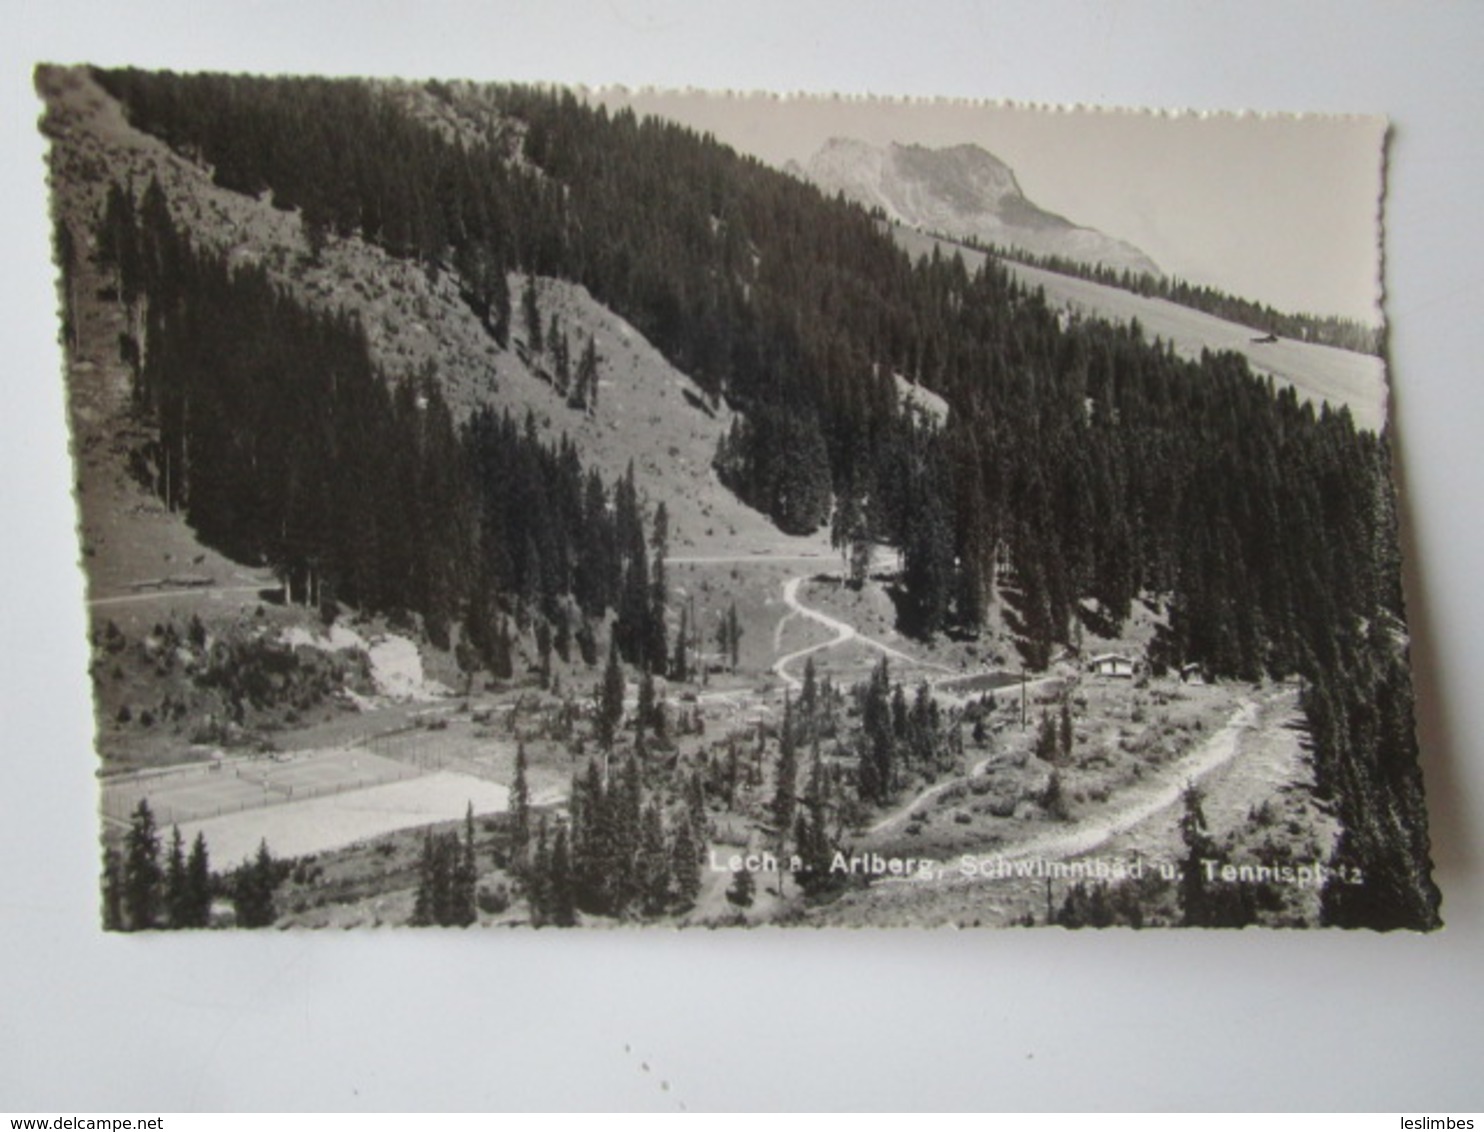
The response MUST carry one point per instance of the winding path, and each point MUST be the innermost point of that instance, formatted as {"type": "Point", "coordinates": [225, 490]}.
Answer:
{"type": "Point", "coordinates": [843, 631]}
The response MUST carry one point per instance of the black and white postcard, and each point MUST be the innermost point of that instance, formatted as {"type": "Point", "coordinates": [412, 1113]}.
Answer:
{"type": "Point", "coordinates": [523, 506]}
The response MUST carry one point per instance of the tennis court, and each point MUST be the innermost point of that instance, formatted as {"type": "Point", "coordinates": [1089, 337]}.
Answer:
{"type": "Point", "coordinates": [335, 820]}
{"type": "Point", "coordinates": [230, 785]}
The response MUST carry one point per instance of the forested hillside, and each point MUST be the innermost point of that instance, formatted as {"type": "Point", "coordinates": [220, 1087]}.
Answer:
{"type": "Point", "coordinates": [1081, 468]}
{"type": "Point", "coordinates": [284, 446]}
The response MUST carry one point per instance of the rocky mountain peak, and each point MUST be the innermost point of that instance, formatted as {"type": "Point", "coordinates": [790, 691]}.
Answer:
{"type": "Point", "coordinates": [960, 191]}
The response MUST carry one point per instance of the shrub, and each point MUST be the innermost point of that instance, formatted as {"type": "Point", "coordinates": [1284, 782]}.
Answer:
{"type": "Point", "coordinates": [493, 901]}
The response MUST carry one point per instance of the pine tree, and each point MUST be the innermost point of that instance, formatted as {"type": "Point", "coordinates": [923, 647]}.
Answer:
{"type": "Point", "coordinates": [253, 890]}
{"type": "Point", "coordinates": [198, 885]}
{"type": "Point", "coordinates": [423, 911]}
{"type": "Point", "coordinates": [447, 879]}
{"type": "Point", "coordinates": [729, 635]}
{"type": "Point", "coordinates": [785, 793]}
{"type": "Point", "coordinates": [560, 897]}
{"type": "Point", "coordinates": [1048, 742]}
{"type": "Point", "coordinates": [680, 663]}
{"type": "Point", "coordinates": [590, 362]}
{"type": "Point", "coordinates": [654, 858]}
{"type": "Point", "coordinates": [538, 878]}
{"type": "Point", "coordinates": [465, 909]}
{"type": "Point", "coordinates": [657, 649]}
{"type": "Point", "coordinates": [847, 527]}
{"type": "Point", "coordinates": [142, 875]}
{"type": "Point", "coordinates": [520, 811]}
{"type": "Point", "coordinates": [610, 699]}
{"type": "Point", "coordinates": [685, 865]}
{"type": "Point", "coordinates": [740, 891]}
{"type": "Point", "coordinates": [543, 652]}
{"type": "Point", "coordinates": [177, 895]}
{"type": "Point", "coordinates": [695, 798]}
{"type": "Point", "coordinates": [531, 309]}
{"type": "Point", "coordinates": [1196, 905]}
{"type": "Point", "coordinates": [626, 818]}
{"type": "Point", "coordinates": [1053, 798]}
{"type": "Point", "coordinates": [812, 841]}
{"type": "Point", "coordinates": [808, 711]}
{"type": "Point", "coordinates": [644, 711]}
{"type": "Point", "coordinates": [584, 392]}
{"type": "Point", "coordinates": [877, 770]}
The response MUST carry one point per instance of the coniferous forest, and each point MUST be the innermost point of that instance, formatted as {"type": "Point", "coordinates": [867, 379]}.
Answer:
{"type": "Point", "coordinates": [283, 445]}
{"type": "Point", "coordinates": [1082, 469]}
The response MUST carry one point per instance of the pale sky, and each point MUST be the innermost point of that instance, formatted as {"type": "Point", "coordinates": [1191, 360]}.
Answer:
{"type": "Point", "coordinates": [1284, 210]}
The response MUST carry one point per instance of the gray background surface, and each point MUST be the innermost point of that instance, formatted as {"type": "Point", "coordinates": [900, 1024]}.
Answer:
{"type": "Point", "coordinates": [1011, 1020]}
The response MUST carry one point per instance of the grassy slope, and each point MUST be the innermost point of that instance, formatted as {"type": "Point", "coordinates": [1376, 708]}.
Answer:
{"type": "Point", "coordinates": [1318, 373]}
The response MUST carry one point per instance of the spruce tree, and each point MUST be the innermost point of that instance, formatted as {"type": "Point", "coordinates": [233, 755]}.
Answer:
{"type": "Point", "coordinates": [657, 649]}
{"type": "Point", "coordinates": [695, 797]}
{"type": "Point", "coordinates": [142, 874]}
{"type": "Point", "coordinates": [644, 711]}
{"type": "Point", "coordinates": [253, 891]}
{"type": "Point", "coordinates": [610, 699]}
{"type": "Point", "coordinates": [465, 909]}
{"type": "Point", "coordinates": [812, 841]}
{"type": "Point", "coordinates": [177, 895]}
{"type": "Point", "coordinates": [538, 878]}
{"type": "Point", "coordinates": [531, 309]}
{"type": "Point", "coordinates": [559, 893]}
{"type": "Point", "coordinates": [740, 891]}
{"type": "Point", "coordinates": [785, 791]}
{"type": "Point", "coordinates": [1196, 903]}
{"type": "Point", "coordinates": [877, 768]}
{"type": "Point", "coordinates": [808, 710]}
{"type": "Point", "coordinates": [685, 865]}
{"type": "Point", "coordinates": [654, 861]}
{"type": "Point", "coordinates": [520, 811]}
{"type": "Point", "coordinates": [198, 885]}
{"type": "Point", "coordinates": [423, 911]}
{"type": "Point", "coordinates": [729, 635]}
{"type": "Point", "coordinates": [1048, 742]}
{"type": "Point", "coordinates": [626, 815]}
{"type": "Point", "coordinates": [680, 662]}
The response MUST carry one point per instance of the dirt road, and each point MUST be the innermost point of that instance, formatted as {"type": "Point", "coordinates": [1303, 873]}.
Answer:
{"type": "Point", "coordinates": [843, 632]}
{"type": "Point", "coordinates": [216, 593]}
{"type": "Point", "coordinates": [1141, 803]}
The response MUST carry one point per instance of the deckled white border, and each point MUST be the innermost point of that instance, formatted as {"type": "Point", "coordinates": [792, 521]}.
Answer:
{"type": "Point", "coordinates": [1000, 1021]}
